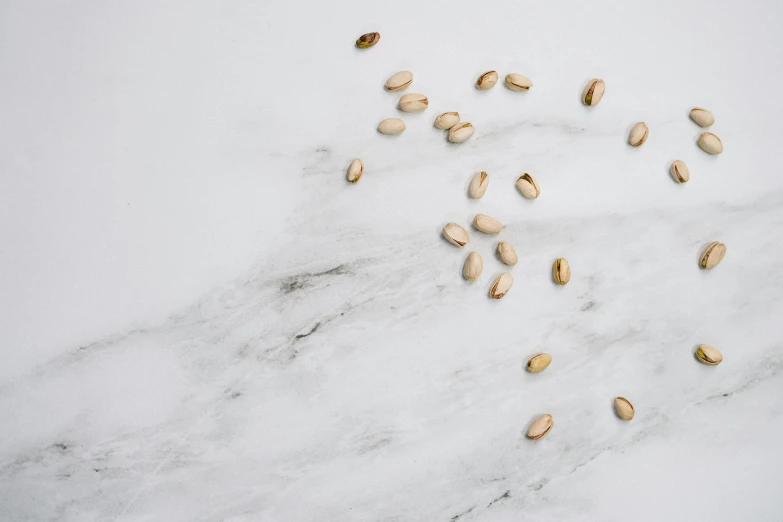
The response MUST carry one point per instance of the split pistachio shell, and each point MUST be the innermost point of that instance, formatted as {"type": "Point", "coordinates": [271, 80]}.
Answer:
{"type": "Point", "coordinates": [391, 126]}
{"type": "Point", "coordinates": [540, 427]}
{"type": "Point", "coordinates": [461, 132]}
{"type": "Point", "coordinates": [713, 255]}
{"type": "Point", "coordinates": [413, 102]}
{"type": "Point", "coordinates": [538, 363]}
{"type": "Point", "coordinates": [710, 143]}
{"type": "Point", "coordinates": [639, 134]}
{"type": "Point", "coordinates": [528, 186]}
{"type": "Point", "coordinates": [368, 40]}
{"type": "Point", "coordinates": [501, 285]}
{"type": "Point", "coordinates": [517, 82]}
{"type": "Point", "coordinates": [680, 172]}
{"type": "Point", "coordinates": [561, 272]}
{"type": "Point", "coordinates": [473, 266]}
{"type": "Point", "coordinates": [487, 80]}
{"type": "Point", "coordinates": [399, 80]}
{"type": "Point", "coordinates": [507, 253]}
{"type": "Point", "coordinates": [487, 224]}
{"type": "Point", "coordinates": [708, 355]}
{"type": "Point", "coordinates": [594, 91]}
{"type": "Point", "coordinates": [624, 408]}
{"type": "Point", "coordinates": [456, 234]}
{"type": "Point", "coordinates": [478, 185]}
{"type": "Point", "coordinates": [355, 170]}
{"type": "Point", "coordinates": [702, 117]}
{"type": "Point", "coordinates": [447, 120]}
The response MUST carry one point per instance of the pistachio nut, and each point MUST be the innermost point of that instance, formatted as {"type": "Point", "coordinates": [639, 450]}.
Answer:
{"type": "Point", "coordinates": [478, 185]}
{"type": "Point", "coordinates": [639, 134]}
{"type": "Point", "coordinates": [538, 363]}
{"type": "Point", "coordinates": [624, 408]}
{"type": "Point", "coordinates": [368, 40]}
{"type": "Point", "coordinates": [391, 126]}
{"type": "Point", "coordinates": [680, 171]}
{"type": "Point", "coordinates": [702, 117]}
{"type": "Point", "coordinates": [447, 120]}
{"type": "Point", "coordinates": [712, 255]}
{"type": "Point", "coordinates": [487, 224]}
{"type": "Point", "coordinates": [501, 285]}
{"type": "Point", "coordinates": [507, 253]}
{"type": "Point", "coordinates": [540, 427]}
{"type": "Point", "coordinates": [561, 271]}
{"type": "Point", "coordinates": [517, 82]}
{"type": "Point", "coordinates": [355, 170]}
{"type": "Point", "coordinates": [456, 234]}
{"type": "Point", "coordinates": [528, 186]}
{"type": "Point", "coordinates": [708, 355]}
{"type": "Point", "coordinates": [594, 91]}
{"type": "Point", "coordinates": [399, 80]}
{"type": "Point", "coordinates": [487, 80]}
{"type": "Point", "coordinates": [461, 132]}
{"type": "Point", "coordinates": [473, 266]}
{"type": "Point", "coordinates": [710, 143]}
{"type": "Point", "coordinates": [413, 102]}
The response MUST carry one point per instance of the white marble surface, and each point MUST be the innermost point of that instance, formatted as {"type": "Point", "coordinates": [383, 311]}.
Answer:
{"type": "Point", "coordinates": [202, 320]}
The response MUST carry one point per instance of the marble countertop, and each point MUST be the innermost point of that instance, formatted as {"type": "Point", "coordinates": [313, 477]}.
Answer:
{"type": "Point", "coordinates": [202, 320]}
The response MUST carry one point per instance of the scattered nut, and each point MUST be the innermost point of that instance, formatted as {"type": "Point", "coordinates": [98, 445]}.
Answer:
{"type": "Point", "coordinates": [594, 91]}
{"type": "Point", "coordinates": [461, 132]}
{"type": "Point", "coordinates": [456, 234]}
{"type": "Point", "coordinates": [355, 170]}
{"type": "Point", "coordinates": [713, 255]}
{"type": "Point", "coordinates": [507, 253]}
{"type": "Point", "coordinates": [501, 285]}
{"type": "Point", "coordinates": [561, 272]}
{"type": "Point", "coordinates": [680, 171]}
{"type": "Point", "coordinates": [478, 185]}
{"type": "Point", "coordinates": [487, 80]}
{"type": "Point", "coordinates": [540, 427]}
{"type": "Point", "coordinates": [399, 80]}
{"type": "Point", "coordinates": [413, 102]}
{"type": "Point", "coordinates": [710, 143]}
{"type": "Point", "coordinates": [391, 126]}
{"type": "Point", "coordinates": [528, 186]}
{"type": "Point", "coordinates": [702, 117]}
{"type": "Point", "coordinates": [639, 134]}
{"type": "Point", "coordinates": [473, 266]}
{"type": "Point", "coordinates": [624, 408]}
{"type": "Point", "coordinates": [487, 224]}
{"type": "Point", "coordinates": [538, 363]}
{"type": "Point", "coordinates": [708, 355]}
{"type": "Point", "coordinates": [447, 120]}
{"type": "Point", "coordinates": [368, 40]}
{"type": "Point", "coordinates": [517, 82]}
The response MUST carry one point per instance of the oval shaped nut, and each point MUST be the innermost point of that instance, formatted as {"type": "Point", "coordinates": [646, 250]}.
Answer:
{"type": "Point", "coordinates": [561, 272]}
{"type": "Point", "coordinates": [708, 355]}
{"type": "Point", "coordinates": [710, 143]}
{"type": "Point", "coordinates": [461, 132]}
{"type": "Point", "coordinates": [507, 253]}
{"type": "Point", "coordinates": [540, 427]}
{"type": "Point", "coordinates": [594, 91]}
{"type": "Point", "coordinates": [391, 126]}
{"type": "Point", "coordinates": [368, 40]}
{"type": "Point", "coordinates": [624, 408]}
{"type": "Point", "coordinates": [538, 363]}
{"type": "Point", "coordinates": [413, 102]}
{"type": "Point", "coordinates": [501, 285]}
{"type": "Point", "coordinates": [473, 266]}
{"type": "Point", "coordinates": [478, 185]}
{"type": "Point", "coordinates": [639, 134]}
{"type": "Point", "coordinates": [712, 255]}
{"type": "Point", "coordinates": [355, 170]}
{"type": "Point", "coordinates": [487, 80]}
{"type": "Point", "coordinates": [487, 224]}
{"type": "Point", "coordinates": [399, 80]}
{"type": "Point", "coordinates": [680, 171]}
{"type": "Point", "coordinates": [456, 234]}
{"type": "Point", "coordinates": [517, 82]}
{"type": "Point", "coordinates": [447, 120]}
{"type": "Point", "coordinates": [528, 186]}
{"type": "Point", "coordinates": [702, 117]}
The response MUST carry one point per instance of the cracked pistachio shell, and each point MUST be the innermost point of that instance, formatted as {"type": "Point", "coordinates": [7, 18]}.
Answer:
{"type": "Point", "coordinates": [540, 427]}
{"type": "Point", "coordinates": [473, 266]}
{"type": "Point", "coordinates": [712, 255]}
{"type": "Point", "coordinates": [702, 117]}
{"type": "Point", "coordinates": [638, 134]}
{"type": "Point", "coordinates": [710, 143]}
{"type": "Point", "coordinates": [478, 185]}
{"type": "Point", "coordinates": [624, 408]}
{"type": "Point", "coordinates": [594, 91]}
{"type": "Point", "coordinates": [528, 186]}
{"type": "Point", "coordinates": [708, 355]}
{"type": "Point", "coordinates": [461, 132]}
{"type": "Point", "coordinates": [507, 253]}
{"type": "Point", "coordinates": [368, 40]}
{"type": "Point", "coordinates": [391, 126]}
{"type": "Point", "coordinates": [501, 285]}
{"type": "Point", "coordinates": [538, 363]}
{"type": "Point", "coordinates": [447, 120]}
{"type": "Point", "coordinates": [517, 82]}
{"type": "Point", "coordinates": [455, 234]}
{"type": "Point", "coordinates": [487, 80]}
{"type": "Point", "coordinates": [561, 272]}
{"type": "Point", "coordinates": [487, 224]}
{"type": "Point", "coordinates": [355, 170]}
{"type": "Point", "coordinates": [680, 172]}
{"type": "Point", "coordinates": [399, 80]}
{"type": "Point", "coordinates": [413, 102]}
